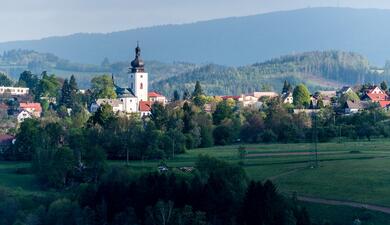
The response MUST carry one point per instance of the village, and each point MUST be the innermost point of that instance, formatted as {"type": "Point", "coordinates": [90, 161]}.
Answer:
{"type": "Point", "coordinates": [17, 103]}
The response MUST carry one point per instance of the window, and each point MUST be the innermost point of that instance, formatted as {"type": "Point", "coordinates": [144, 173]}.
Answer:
{"type": "Point", "coordinates": [132, 86]}
{"type": "Point", "coordinates": [142, 76]}
{"type": "Point", "coordinates": [141, 86]}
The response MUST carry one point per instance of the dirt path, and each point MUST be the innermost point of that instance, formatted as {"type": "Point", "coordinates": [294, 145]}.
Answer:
{"type": "Point", "coordinates": [345, 203]}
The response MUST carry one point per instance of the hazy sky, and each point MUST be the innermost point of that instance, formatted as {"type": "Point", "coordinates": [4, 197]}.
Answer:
{"type": "Point", "coordinates": [33, 19]}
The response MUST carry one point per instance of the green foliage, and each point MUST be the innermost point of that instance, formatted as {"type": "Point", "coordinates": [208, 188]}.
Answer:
{"type": "Point", "coordinates": [223, 111]}
{"type": "Point", "coordinates": [329, 66]}
{"type": "Point", "coordinates": [301, 96]}
{"type": "Point", "coordinates": [5, 80]}
{"type": "Point", "coordinates": [103, 87]}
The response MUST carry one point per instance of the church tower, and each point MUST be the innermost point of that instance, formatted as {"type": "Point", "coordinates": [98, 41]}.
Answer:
{"type": "Point", "coordinates": [138, 78]}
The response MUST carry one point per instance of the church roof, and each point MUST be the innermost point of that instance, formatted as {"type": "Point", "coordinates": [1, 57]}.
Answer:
{"type": "Point", "coordinates": [137, 65]}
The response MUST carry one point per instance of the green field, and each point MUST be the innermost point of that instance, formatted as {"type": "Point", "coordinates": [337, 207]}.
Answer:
{"type": "Point", "coordinates": [350, 171]}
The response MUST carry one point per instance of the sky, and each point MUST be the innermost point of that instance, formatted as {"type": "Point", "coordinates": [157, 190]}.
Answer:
{"type": "Point", "coordinates": [35, 19]}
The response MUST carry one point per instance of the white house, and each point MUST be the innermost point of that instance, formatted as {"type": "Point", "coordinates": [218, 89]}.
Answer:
{"type": "Point", "coordinates": [14, 90]}
{"type": "Point", "coordinates": [249, 101]}
{"type": "Point", "coordinates": [23, 115]}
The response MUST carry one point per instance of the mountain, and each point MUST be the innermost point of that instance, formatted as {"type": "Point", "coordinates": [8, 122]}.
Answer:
{"type": "Point", "coordinates": [232, 41]}
{"type": "Point", "coordinates": [327, 70]}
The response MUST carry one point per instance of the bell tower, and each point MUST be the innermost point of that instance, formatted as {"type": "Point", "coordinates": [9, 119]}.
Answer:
{"type": "Point", "coordinates": [138, 78]}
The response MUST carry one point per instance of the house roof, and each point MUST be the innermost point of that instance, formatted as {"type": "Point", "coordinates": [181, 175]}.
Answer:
{"type": "Point", "coordinates": [154, 94]}
{"type": "Point", "coordinates": [384, 104]}
{"type": "Point", "coordinates": [377, 97]}
{"type": "Point", "coordinates": [230, 96]}
{"type": "Point", "coordinates": [111, 102]}
{"type": "Point", "coordinates": [145, 106]}
{"type": "Point", "coordinates": [6, 138]}
{"type": "Point", "coordinates": [33, 105]}
{"type": "Point", "coordinates": [356, 104]}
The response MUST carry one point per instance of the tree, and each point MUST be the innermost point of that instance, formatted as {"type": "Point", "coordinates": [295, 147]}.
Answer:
{"type": "Point", "coordinates": [27, 140]}
{"type": "Point", "coordinates": [27, 79]}
{"type": "Point", "coordinates": [66, 100]}
{"type": "Point", "coordinates": [301, 96]}
{"type": "Point", "coordinates": [384, 86]}
{"type": "Point", "coordinates": [286, 87]}
{"type": "Point", "coordinates": [48, 86]}
{"type": "Point", "coordinates": [103, 116]}
{"type": "Point", "coordinates": [5, 80]}
{"type": "Point", "coordinates": [223, 111]}
{"type": "Point", "coordinates": [176, 96]}
{"type": "Point", "coordinates": [103, 87]}
{"type": "Point", "coordinates": [198, 90]}
{"type": "Point", "coordinates": [159, 116]}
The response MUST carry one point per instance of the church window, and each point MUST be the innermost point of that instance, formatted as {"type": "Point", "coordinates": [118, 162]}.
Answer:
{"type": "Point", "coordinates": [141, 86]}
{"type": "Point", "coordinates": [142, 76]}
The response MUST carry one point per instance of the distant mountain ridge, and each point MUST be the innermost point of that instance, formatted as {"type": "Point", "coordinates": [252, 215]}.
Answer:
{"type": "Point", "coordinates": [233, 41]}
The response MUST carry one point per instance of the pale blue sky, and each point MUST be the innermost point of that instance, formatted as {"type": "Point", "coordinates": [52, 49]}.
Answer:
{"type": "Point", "coordinates": [34, 19]}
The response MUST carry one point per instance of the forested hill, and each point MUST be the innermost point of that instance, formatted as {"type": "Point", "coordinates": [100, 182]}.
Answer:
{"type": "Point", "coordinates": [232, 41]}
{"type": "Point", "coordinates": [319, 70]}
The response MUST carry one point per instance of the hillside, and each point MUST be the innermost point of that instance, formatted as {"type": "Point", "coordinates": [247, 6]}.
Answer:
{"type": "Point", "coordinates": [232, 41]}
{"type": "Point", "coordinates": [14, 62]}
{"type": "Point", "coordinates": [318, 70]}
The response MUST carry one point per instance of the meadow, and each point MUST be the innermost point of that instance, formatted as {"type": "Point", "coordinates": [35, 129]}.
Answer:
{"type": "Point", "coordinates": [349, 171]}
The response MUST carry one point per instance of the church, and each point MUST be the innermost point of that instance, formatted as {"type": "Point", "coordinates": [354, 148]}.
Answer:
{"type": "Point", "coordinates": [135, 98]}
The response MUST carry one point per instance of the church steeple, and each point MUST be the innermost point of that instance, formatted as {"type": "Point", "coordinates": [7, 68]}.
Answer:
{"type": "Point", "coordinates": [137, 65]}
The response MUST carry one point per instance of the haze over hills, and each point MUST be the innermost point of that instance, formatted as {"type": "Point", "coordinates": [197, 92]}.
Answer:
{"type": "Point", "coordinates": [317, 69]}
{"type": "Point", "coordinates": [233, 41]}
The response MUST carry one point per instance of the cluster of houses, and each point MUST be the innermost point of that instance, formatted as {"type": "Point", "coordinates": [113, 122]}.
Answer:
{"type": "Point", "coordinates": [25, 107]}
{"type": "Point", "coordinates": [373, 95]}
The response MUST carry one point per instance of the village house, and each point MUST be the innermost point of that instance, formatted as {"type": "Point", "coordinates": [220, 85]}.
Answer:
{"type": "Point", "coordinates": [156, 97]}
{"type": "Point", "coordinates": [351, 106]}
{"type": "Point", "coordinates": [22, 116]}
{"type": "Point", "coordinates": [35, 109]}
{"type": "Point", "coordinates": [375, 95]}
{"type": "Point", "coordinates": [249, 101]}
{"type": "Point", "coordinates": [287, 98]}
{"type": "Point", "coordinates": [267, 94]}
{"type": "Point", "coordinates": [14, 91]}
{"type": "Point", "coordinates": [344, 90]}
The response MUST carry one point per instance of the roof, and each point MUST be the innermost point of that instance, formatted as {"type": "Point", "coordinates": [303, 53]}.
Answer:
{"type": "Point", "coordinates": [377, 97]}
{"type": "Point", "coordinates": [6, 138]}
{"type": "Point", "coordinates": [145, 106]}
{"type": "Point", "coordinates": [357, 104]}
{"type": "Point", "coordinates": [111, 102]}
{"type": "Point", "coordinates": [345, 89]}
{"type": "Point", "coordinates": [384, 104]}
{"type": "Point", "coordinates": [35, 106]}
{"type": "Point", "coordinates": [260, 94]}
{"type": "Point", "coordinates": [154, 94]}
{"type": "Point", "coordinates": [230, 96]}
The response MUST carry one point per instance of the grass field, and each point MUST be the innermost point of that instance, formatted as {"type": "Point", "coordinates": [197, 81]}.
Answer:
{"type": "Point", "coordinates": [351, 171]}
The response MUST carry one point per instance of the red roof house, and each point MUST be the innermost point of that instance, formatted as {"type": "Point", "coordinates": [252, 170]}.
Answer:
{"type": "Point", "coordinates": [34, 108]}
{"type": "Point", "coordinates": [154, 94]}
{"type": "Point", "coordinates": [145, 108]}
{"type": "Point", "coordinates": [376, 94]}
